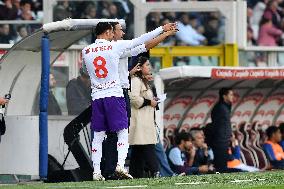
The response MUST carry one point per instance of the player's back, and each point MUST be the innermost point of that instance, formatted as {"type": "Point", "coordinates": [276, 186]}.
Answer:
{"type": "Point", "coordinates": [101, 59]}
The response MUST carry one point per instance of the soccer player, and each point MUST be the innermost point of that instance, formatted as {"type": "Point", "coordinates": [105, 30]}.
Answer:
{"type": "Point", "coordinates": [108, 105]}
{"type": "Point", "coordinates": [109, 154]}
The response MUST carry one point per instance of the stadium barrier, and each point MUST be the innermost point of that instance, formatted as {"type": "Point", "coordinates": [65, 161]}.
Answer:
{"type": "Point", "coordinates": [227, 54]}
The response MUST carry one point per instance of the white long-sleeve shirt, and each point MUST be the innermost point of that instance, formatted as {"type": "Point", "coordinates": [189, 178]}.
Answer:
{"type": "Point", "coordinates": [123, 67]}
{"type": "Point", "coordinates": [102, 62]}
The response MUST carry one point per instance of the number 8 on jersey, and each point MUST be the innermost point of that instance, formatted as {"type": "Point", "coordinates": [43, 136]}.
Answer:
{"type": "Point", "coordinates": [100, 69]}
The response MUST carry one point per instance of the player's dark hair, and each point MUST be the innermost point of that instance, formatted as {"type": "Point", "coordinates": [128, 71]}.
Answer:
{"type": "Point", "coordinates": [183, 136]}
{"type": "Point", "coordinates": [271, 130]}
{"type": "Point", "coordinates": [102, 27]}
{"type": "Point", "coordinates": [113, 24]}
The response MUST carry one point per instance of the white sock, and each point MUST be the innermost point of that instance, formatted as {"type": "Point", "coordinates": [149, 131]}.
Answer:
{"type": "Point", "coordinates": [97, 150]}
{"type": "Point", "coordinates": [122, 146]}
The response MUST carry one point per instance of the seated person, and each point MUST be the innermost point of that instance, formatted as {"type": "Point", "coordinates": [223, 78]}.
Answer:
{"type": "Point", "coordinates": [201, 154]}
{"type": "Point", "coordinates": [181, 157]}
{"type": "Point", "coordinates": [235, 156]}
{"type": "Point", "coordinates": [281, 127]}
{"type": "Point", "coordinates": [78, 93]}
{"type": "Point", "coordinates": [272, 148]}
{"type": "Point", "coordinates": [53, 105]}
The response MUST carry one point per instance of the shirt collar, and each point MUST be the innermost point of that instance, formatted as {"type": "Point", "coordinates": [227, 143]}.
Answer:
{"type": "Point", "coordinates": [101, 40]}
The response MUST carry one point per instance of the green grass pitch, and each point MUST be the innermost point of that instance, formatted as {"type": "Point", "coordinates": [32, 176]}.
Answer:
{"type": "Point", "coordinates": [262, 180]}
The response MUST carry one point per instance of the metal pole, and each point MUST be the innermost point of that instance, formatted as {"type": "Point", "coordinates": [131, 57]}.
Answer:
{"type": "Point", "coordinates": [43, 115]}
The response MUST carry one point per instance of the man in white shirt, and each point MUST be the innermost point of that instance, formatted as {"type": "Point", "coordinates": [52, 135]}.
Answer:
{"type": "Point", "coordinates": [109, 146]}
{"type": "Point", "coordinates": [108, 106]}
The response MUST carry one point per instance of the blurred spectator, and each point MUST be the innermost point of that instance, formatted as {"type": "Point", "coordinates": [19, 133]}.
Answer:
{"type": "Point", "coordinates": [170, 15]}
{"type": "Point", "coordinates": [90, 12]}
{"type": "Point", "coordinates": [113, 11]}
{"type": "Point", "coordinates": [142, 130]}
{"type": "Point", "coordinates": [187, 33]}
{"type": "Point", "coordinates": [21, 33]}
{"type": "Point", "coordinates": [281, 127]}
{"type": "Point", "coordinates": [181, 156]}
{"type": "Point", "coordinates": [61, 11]}
{"type": "Point", "coordinates": [53, 106]}
{"type": "Point", "coordinates": [211, 31]}
{"type": "Point", "coordinates": [268, 33]}
{"type": "Point", "coordinates": [257, 13]}
{"type": "Point", "coordinates": [25, 11]}
{"type": "Point", "coordinates": [201, 154]}
{"type": "Point", "coordinates": [5, 36]}
{"type": "Point", "coordinates": [235, 157]}
{"type": "Point", "coordinates": [17, 4]}
{"type": "Point", "coordinates": [271, 11]}
{"type": "Point", "coordinates": [221, 125]}
{"type": "Point", "coordinates": [153, 20]}
{"type": "Point", "coordinates": [103, 9]}
{"type": "Point", "coordinates": [272, 149]}
{"type": "Point", "coordinates": [8, 11]}
{"type": "Point", "coordinates": [250, 39]}
{"type": "Point", "coordinates": [78, 94]}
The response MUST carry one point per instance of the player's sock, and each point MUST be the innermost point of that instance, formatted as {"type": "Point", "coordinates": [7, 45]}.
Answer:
{"type": "Point", "coordinates": [97, 150]}
{"type": "Point", "coordinates": [122, 146]}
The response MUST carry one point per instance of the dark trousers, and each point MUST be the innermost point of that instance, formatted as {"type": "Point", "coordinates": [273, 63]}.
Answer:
{"type": "Point", "coordinates": [221, 157]}
{"type": "Point", "coordinates": [109, 159]}
{"type": "Point", "coordinates": [143, 156]}
{"type": "Point", "coordinates": [128, 107]}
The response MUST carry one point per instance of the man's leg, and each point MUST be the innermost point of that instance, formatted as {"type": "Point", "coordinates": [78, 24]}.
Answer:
{"type": "Point", "coordinates": [110, 151]}
{"type": "Point", "coordinates": [97, 150]}
{"type": "Point", "coordinates": [220, 158]}
{"type": "Point", "coordinates": [98, 126]}
{"type": "Point", "coordinates": [151, 160]}
{"type": "Point", "coordinates": [122, 146]}
{"type": "Point", "coordinates": [137, 161]}
{"type": "Point", "coordinates": [117, 122]}
{"type": "Point", "coordinates": [127, 103]}
{"type": "Point", "coordinates": [165, 169]}
{"type": "Point", "coordinates": [109, 154]}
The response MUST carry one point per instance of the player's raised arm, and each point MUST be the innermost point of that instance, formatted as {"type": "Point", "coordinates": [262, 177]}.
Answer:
{"type": "Point", "coordinates": [154, 42]}
{"type": "Point", "coordinates": [134, 51]}
{"type": "Point", "coordinates": [129, 44]}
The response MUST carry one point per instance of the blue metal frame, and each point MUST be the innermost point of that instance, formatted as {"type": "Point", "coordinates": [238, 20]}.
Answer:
{"type": "Point", "coordinates": [43, 106]}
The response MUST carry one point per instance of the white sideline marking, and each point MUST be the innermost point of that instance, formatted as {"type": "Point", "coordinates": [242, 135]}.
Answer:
{"type": "Point", "coordinates": [190, 183]}
{"type": "Point", "coordinates": [248, 180]}
{"type": "Point", "coordinates": [137, 186]}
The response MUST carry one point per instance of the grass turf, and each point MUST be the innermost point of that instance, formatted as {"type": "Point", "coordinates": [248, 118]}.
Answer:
{"type": "Point", "coordinates": [263, 180]}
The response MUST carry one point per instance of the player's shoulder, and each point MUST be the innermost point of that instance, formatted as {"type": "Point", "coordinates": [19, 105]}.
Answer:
{"type": "Point", "coordinates": [120, 42]}
{"type": "Point", "coordinates": [86, 47]}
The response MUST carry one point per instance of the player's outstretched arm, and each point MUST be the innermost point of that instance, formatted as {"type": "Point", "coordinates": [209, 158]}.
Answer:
{"type": "Point", "coordinates": [134, 51]}
{"type": "Point", "coordinates": [154, 42]}
{"type": "Point", "coordinates": [129, 44]}
{"type": "Point", "coordinates": [148, 45]}
{"type": "Point", "coordinates": [150, 35]}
